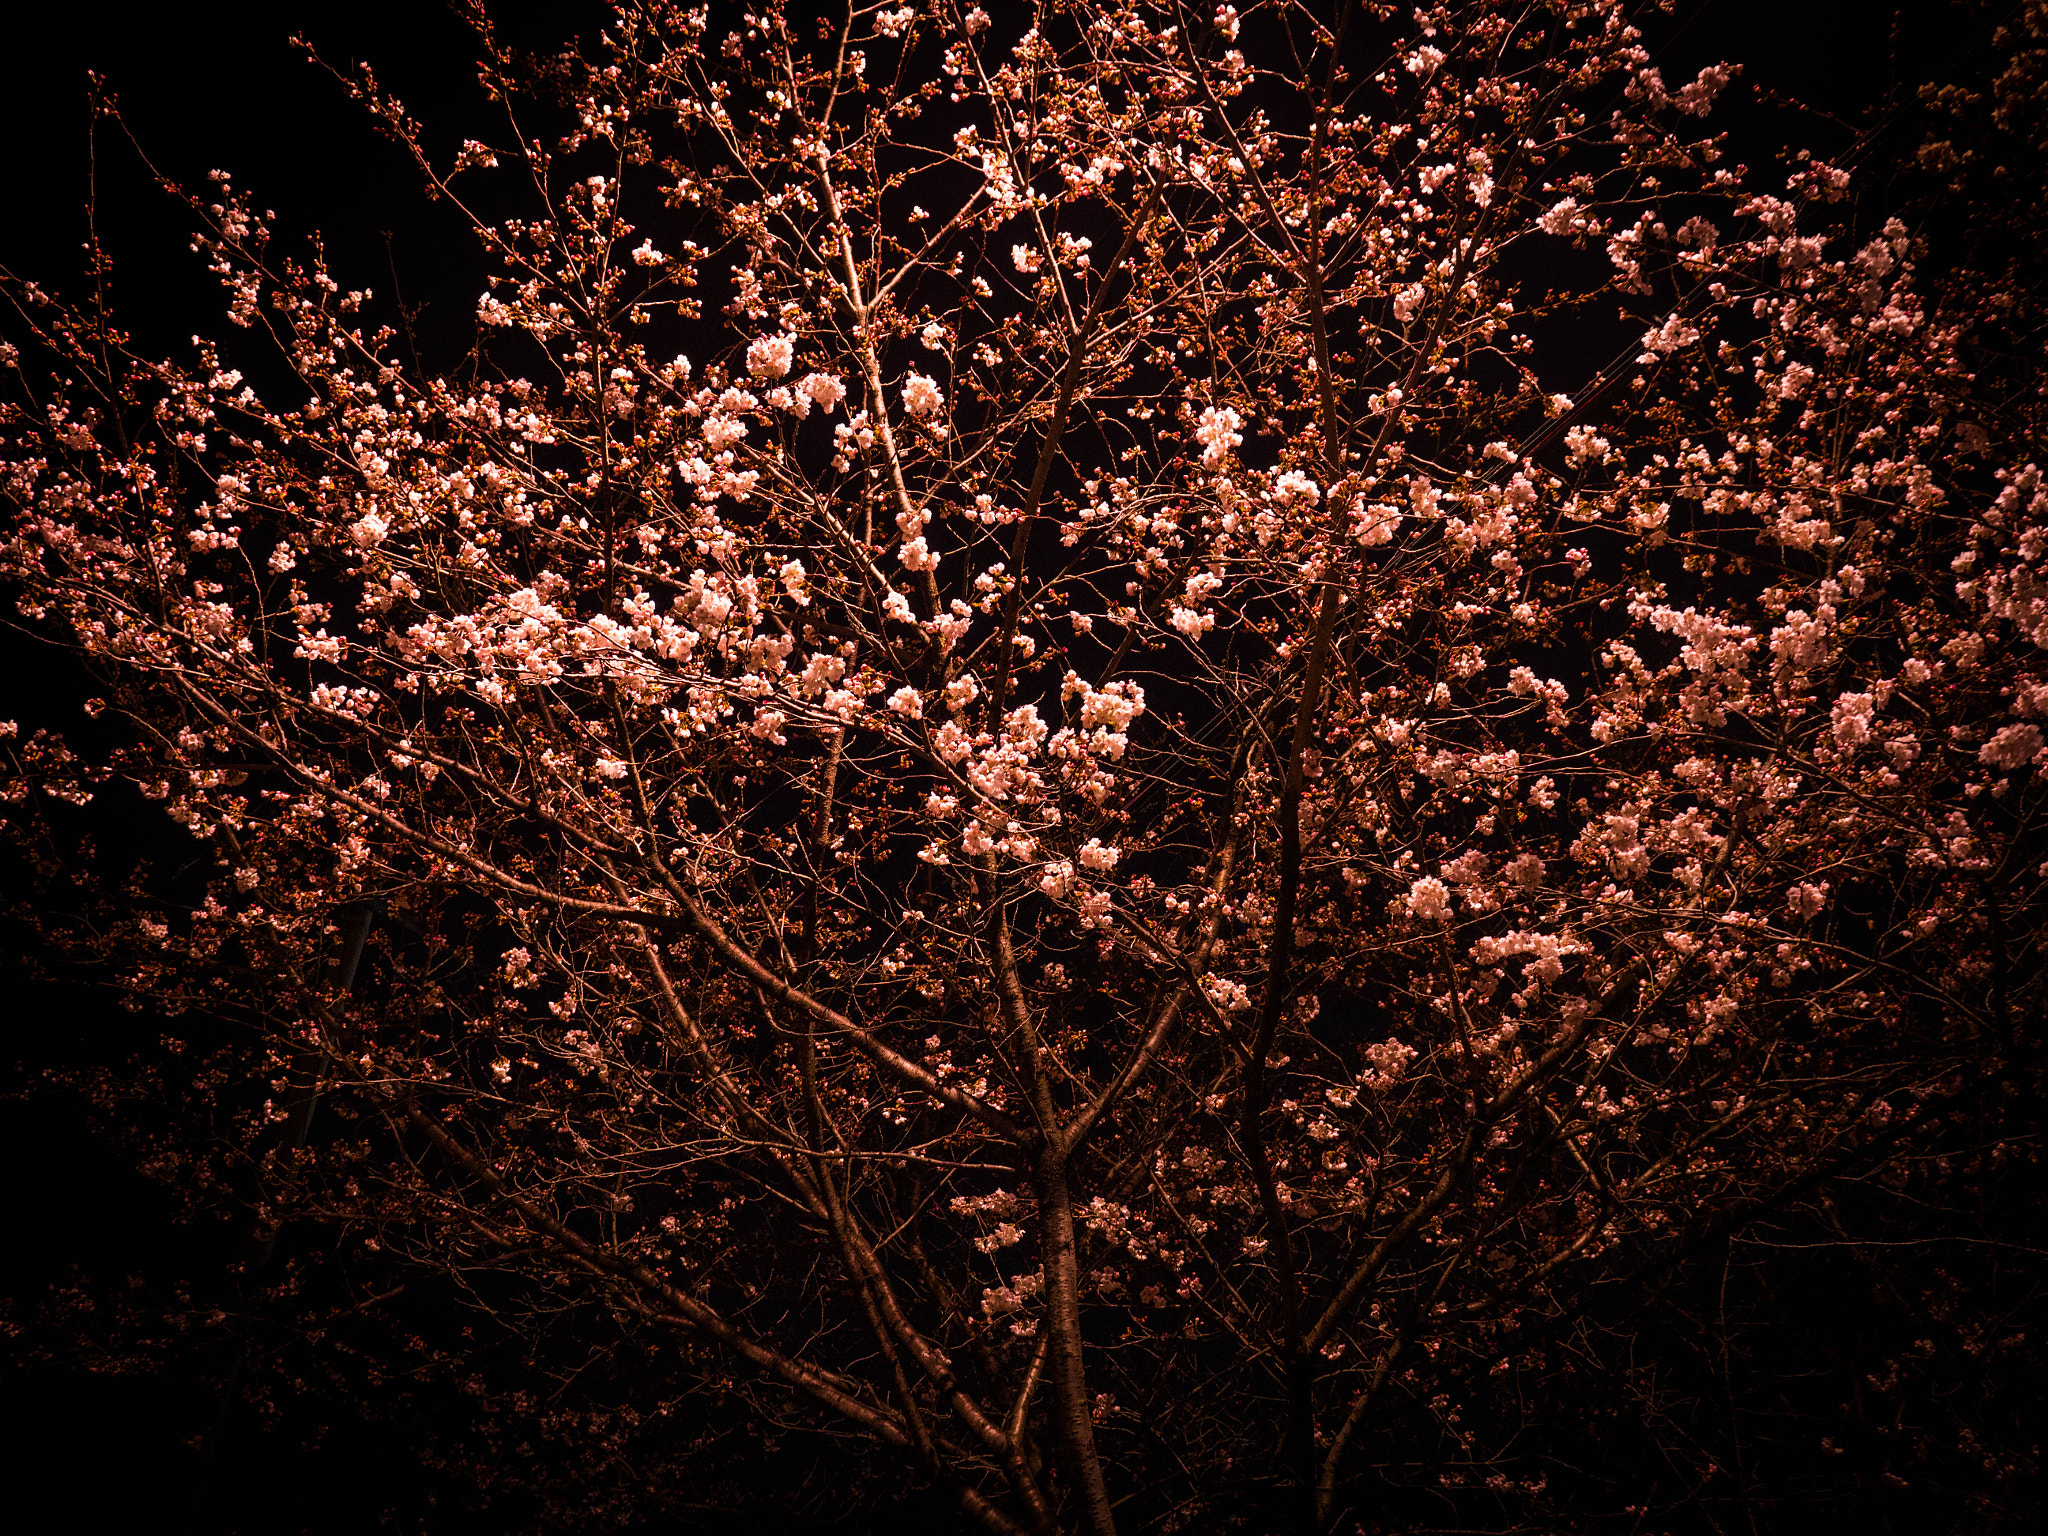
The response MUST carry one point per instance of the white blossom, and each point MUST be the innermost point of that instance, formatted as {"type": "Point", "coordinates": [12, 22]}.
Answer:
{"type": "Point", "coordinates": [921, 395]}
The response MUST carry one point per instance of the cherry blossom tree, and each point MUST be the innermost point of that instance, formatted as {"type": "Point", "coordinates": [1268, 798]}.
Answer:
{"type": "Point", "coordinates": [1023, 764]}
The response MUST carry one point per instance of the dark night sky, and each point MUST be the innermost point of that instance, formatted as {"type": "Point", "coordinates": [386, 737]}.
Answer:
{"type": "Point", "coordinates": [220, 85]}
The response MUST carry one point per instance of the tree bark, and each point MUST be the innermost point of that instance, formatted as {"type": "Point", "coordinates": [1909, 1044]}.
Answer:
{"type": "Point", "coordinates": [1066, 1370]}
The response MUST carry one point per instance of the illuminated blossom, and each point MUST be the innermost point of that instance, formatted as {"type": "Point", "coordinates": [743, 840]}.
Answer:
{"type": "Point", "coordinates": [1429, 899]}
{"type": "Point", "coordinates": [921, 395]}
{"type": "Point", "coordinates": [1217, 432]}
{"type": "Point", "coordinates": [770, 357]}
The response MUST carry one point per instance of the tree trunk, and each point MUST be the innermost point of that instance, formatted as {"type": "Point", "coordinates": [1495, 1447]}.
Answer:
{"type": "Point", "coordinates": [1066, 1372]}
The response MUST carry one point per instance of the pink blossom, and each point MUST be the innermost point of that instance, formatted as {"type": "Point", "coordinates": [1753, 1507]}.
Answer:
{"type": "Point", "coordinates": [770, 357]}
{"type": "Point", "coordinates": [1389, 1059]}
{"type": "Point", "coordinates": [1374, 523]}
{"type": "Point", "coordinates": [2013, 747]}
{"type": "Point", "coordinates": [1698, 97]}
{"type": "Point", "coordinates": [1094, 855]}
{"type": "Point", "coordinates": [1293, 485]}
{"type": "Point", "coordinates": [1429, 899]}
{"type": "Point", "coordinates": [1217, 432]}
{"type": "Point", "coordinates": [1562, 218]}
{"type": "Point", "coordinates": [825, 390]}
{"type": "Point", "coordinates": [1851, 720]}
{"type": "Point", "coordinates": [921, 395]}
